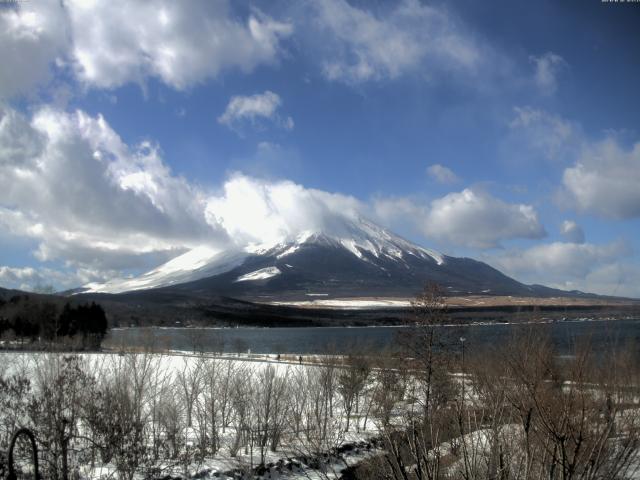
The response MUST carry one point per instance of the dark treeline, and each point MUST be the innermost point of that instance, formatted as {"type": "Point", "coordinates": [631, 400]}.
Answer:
{"type": "Point", "coordinates": [40, 322]}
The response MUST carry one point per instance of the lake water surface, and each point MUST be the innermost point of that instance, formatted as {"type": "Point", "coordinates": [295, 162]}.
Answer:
{"type": "Point", "coordinates": [602, 334]}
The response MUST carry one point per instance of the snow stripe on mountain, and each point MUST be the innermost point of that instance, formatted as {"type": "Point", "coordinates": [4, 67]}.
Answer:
{"type": "Point", "coordinates": [261, 274]}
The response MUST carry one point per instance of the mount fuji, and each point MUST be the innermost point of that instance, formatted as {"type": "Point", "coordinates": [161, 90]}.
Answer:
{"type": "Point", "coordinates": [355, 258]}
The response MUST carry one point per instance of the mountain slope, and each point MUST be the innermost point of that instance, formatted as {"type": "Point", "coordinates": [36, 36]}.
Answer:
{"type": "Point", "coordinates": [355, 259]}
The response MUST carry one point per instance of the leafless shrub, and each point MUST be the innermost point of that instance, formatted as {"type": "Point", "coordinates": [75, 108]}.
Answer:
{"type": "Point", "coordinates": [352, 380]}
{"type": "Point", "coordinates": [54, 410]}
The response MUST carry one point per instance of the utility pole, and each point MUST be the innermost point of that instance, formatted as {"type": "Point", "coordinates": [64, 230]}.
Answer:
{"type": "Point", "coordinates": [462, 340]}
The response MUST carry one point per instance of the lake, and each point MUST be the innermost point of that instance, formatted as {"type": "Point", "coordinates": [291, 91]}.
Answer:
{"type": "Point", "coordinates": [602, 334]}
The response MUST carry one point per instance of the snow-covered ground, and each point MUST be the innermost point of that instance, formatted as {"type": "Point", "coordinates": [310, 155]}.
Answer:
{"type": "Point", "coordinates": [347, 303]}
{"type": "Point", "coordinates": [293, 456]}
{"type": "Point", "coordinates": [278, 381]}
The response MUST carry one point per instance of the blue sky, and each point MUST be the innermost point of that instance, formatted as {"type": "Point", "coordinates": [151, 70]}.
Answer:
{"type": "Point", "coordinates": [504, 131]}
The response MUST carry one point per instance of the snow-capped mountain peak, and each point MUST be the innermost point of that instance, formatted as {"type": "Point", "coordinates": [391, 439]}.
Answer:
{"type": "Point", "coordinates": [364, 240]}
{"type": "Point", "coordinates": [365, 236]}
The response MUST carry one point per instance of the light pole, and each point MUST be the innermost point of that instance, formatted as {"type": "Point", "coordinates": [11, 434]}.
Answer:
{"type": "Point", "coordinates": [462, 340]}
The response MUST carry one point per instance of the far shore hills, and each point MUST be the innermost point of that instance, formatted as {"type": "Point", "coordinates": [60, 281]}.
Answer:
{"type": "Point", "coordinates": [470, 301]}
{"type": "Point", "coordinates": [157, 308]}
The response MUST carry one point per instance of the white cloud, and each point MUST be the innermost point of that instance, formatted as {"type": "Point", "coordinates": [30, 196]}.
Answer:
{"type": "Point", "coordinates": [25, 278]}
{"type": "Point", "coordinates": [554, 136]}
{"type": "Point", "coordinates": [620, 278]}
{"type": "Point", "coordinates": [572, 232]}
{"type": "Point", "coordinates": [366, 46]}
{"type": "Point", "coordinates": [477, 219]}
{"type": "Point", "coordinates": [42, 278]}
{"type": "Point", "coordinates": [605, 178]}
{"type": "Point", "coordinates": [88, 198]}
{"type": "Point", "coordinates": [560, 260]}
{"type": "Point", "coordinates": [604, 174]}
{"type": "Point", "coordinates": [572, 266]}
{"type": "Point", "coordinates": [547, 68]}
{"type": "Point", "coordinates": [32, 36]}
{"type": "Point", "coordinates": [20, 278]}
{"type": "Point", "coordinates": [442, 174]}
{"type": "Point", "coordinates": [258, 211]}
{"type": "Point", "coordinates": [182, 44]}
{"type": "Point", "coordinates": [109, 44]}
{"type": "Point", "coordinates": [253, 108]}
{"type": "Point", "coordinates": [20, 144]}
{"type": "Point", "coordinates": [468, 218]}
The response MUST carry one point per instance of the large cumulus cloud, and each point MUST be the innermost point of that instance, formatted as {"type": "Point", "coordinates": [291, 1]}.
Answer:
{"type": "Point", "coordinates": [604, 180]}
{"type": "Point", "coordinates": [69, 181]}
{"type": "Point", "coordinates": [106, 44]}
{"type": "Point", "coordinates": [600, 174]}
{"type": "Point", "coordinates": [118, 42]}
{"type": "Point", "coordinates": [469, 218]}
{"type": "Point", "coordinates": [258, 211]}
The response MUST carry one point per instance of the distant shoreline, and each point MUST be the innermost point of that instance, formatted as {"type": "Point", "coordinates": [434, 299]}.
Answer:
{"type": "Point", "coordinates": [357, 312]}
{"type": "Point", "coordinates": [468, 324]}
{"type": "Point", "coordinates": [482, 301]}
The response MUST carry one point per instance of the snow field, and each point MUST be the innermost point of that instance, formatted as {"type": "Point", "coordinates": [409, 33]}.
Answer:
{"type": "Point", "coordinates": [259, 397]}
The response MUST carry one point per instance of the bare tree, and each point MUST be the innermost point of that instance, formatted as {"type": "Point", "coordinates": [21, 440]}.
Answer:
{"type": "Point", "coordinates": [211, 403]}
{"type": "Point", "coordinates": [188, 380]}
{"type": "Point", "coordinates": [299, 393]}
{"type": "Point", "coordinates": [117, 427]}
{"type": "Point", "coordinates": [119, 415]}
{"type": "Point", "coordinates": [160, 387]}
{"type": "Point", "coordinates": [228, 373]}
{"type": "Point", "coordinates": [323, 432]}
{"type": "Point", "coordinates": [351, 381]}
{"type": "Point", "coordinates": [171, 426]}
{"type": "Point", "coordinates": [270, 408]}
{"type": "Point", "coordinates": [54, 409]}
{"type": "Point", "coordinates": [413, 446]}
{"type": "Point", "coordinates": [14, 404]}
{"type": "Point", "coordinates": [241, 394]}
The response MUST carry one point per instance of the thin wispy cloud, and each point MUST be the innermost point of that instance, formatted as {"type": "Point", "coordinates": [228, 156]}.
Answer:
{"type": "Point", "coordinates": [547, 68]}
{"type": "Point", "coordinates": [254, 110]}
{"type": "Point", "coordinates": [572, 232]}
{"type": "Point", "coordinates": [572, 266]}
{"type": "Point", "coordinates": [442, 174]}
{"type": "Point", "coordinates": [376, 46]}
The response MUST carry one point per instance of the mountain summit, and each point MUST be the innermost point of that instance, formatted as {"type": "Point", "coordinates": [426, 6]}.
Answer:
{"type": "Point", "coordinates": [356, 258]}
